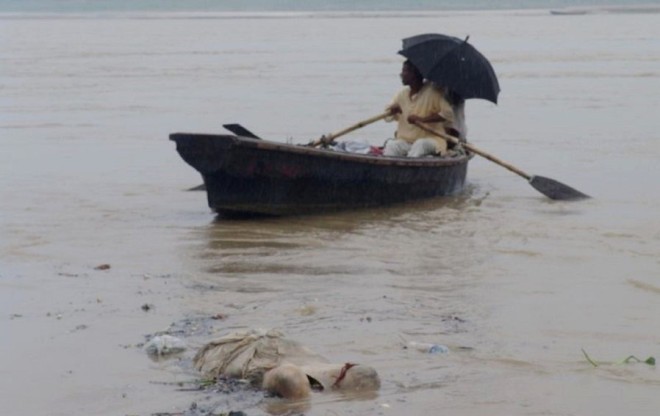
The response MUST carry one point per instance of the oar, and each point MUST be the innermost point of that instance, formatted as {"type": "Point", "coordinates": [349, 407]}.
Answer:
{"type": "Point", "coordinates": [239, 130]}
{"type": "Point", "coordinates": [548, 187]}
{"type": "Point", "coordinates": [331, 137]}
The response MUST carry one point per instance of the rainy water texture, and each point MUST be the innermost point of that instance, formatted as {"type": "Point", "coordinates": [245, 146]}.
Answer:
{"type": "Point", "coordinates": [516, 286]}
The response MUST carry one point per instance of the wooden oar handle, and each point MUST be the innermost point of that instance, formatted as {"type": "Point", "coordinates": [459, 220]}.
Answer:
{"type": "Point", "coordinates": [473, 149]}
{"type": "Point", "coordinates": [331, 137]}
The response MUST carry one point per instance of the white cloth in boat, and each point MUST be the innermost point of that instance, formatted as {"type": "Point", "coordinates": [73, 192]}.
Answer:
{"type": "Point", "coordinates": [428, 100]}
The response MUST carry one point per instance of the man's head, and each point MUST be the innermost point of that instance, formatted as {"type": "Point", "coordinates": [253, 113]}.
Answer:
{"type": "Point", "coordinates": [410, 75]}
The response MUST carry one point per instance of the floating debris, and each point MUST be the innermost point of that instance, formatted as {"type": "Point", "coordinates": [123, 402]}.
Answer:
{"type": "Point", "coordinates": [80, 328]}
{"type": "Point", "coordinates": [164, 345]}
{"type": "Point", "coordinates": [307, 310]}
{"type": "Point", "coordinates": [649, 361]}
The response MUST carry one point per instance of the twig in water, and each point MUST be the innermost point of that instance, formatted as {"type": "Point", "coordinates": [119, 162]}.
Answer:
{"type": "Point", "coordinates": [592, 362]}
{"type": "Point", "coordinates": [649, 361]}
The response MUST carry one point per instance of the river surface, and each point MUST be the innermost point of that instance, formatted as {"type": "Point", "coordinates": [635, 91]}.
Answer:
{"type": "Point", "coordinates": [515, 285]}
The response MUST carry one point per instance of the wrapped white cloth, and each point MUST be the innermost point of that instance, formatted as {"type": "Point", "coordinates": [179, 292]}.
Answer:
{"type": "Point", "coordinates": [251, 354]}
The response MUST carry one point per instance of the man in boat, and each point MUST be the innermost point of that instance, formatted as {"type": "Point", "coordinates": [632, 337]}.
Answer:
{"type": "Point", "coordinates": [419, 102]}
{"type": "Point", "coordinates": [281, 366]}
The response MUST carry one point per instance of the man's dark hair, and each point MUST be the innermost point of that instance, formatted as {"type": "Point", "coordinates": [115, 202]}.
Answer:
{"type": "Point", "coordinates": [414, 69]}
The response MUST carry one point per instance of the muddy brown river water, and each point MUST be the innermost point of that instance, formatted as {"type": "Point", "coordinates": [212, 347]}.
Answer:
{"type": "Point", "coordinates": [515, 285]}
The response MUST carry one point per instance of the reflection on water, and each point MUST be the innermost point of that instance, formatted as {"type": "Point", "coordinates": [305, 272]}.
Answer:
{"type": "Point", "coordinates": [325, 244]}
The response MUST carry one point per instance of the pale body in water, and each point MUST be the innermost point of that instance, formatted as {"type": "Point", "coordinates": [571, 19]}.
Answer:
{"type": "Point", "coordinates": [281, 366]}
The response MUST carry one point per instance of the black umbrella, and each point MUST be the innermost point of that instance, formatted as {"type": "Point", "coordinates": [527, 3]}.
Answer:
{"type": "Point", "coordinates": [452, 63]}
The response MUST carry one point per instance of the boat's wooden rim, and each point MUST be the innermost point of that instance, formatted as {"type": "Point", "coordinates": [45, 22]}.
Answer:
{"type": "Point", "coordinates": [332, 154]}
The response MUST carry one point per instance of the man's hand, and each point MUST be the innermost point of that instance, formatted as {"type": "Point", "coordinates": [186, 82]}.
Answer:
{"type": "Point", "coordinates": [394, 109]}
{"type": "Point", "coordinates": [326, 140]}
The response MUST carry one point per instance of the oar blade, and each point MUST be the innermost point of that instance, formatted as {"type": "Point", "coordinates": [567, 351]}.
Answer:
{"type": "Point", "coordinates": [201, 187]}
{"type": "Point", "coordinates": [556, 190]}
{"type": "Point", "coordinates": [239, 130]}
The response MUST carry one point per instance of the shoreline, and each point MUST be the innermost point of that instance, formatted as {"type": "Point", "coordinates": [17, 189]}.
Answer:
{"type": "Point", "coordinates": [309, 14]}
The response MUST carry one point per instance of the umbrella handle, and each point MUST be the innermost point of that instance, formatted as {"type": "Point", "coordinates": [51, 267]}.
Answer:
{"type": "Point", "coordinates": [327, 139]}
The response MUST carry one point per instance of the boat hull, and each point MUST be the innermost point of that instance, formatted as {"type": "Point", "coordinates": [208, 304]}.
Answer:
{"type": "Point", "coordinates": [250, 177]}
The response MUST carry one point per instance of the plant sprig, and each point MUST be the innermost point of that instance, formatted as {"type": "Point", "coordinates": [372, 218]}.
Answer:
{"type": "Point", "coordinates": [649, 361]}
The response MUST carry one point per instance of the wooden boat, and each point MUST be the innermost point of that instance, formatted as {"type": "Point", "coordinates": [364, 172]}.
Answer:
{"type": "Point", "coordinates": [246, 176]}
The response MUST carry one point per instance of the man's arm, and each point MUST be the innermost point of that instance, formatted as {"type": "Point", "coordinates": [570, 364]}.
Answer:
{"type": "Point", "coordinates": [431, 118]}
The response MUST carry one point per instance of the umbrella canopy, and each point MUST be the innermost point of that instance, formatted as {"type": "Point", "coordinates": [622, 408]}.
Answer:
{"type": "Point", "coordinates": [452, 63]}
